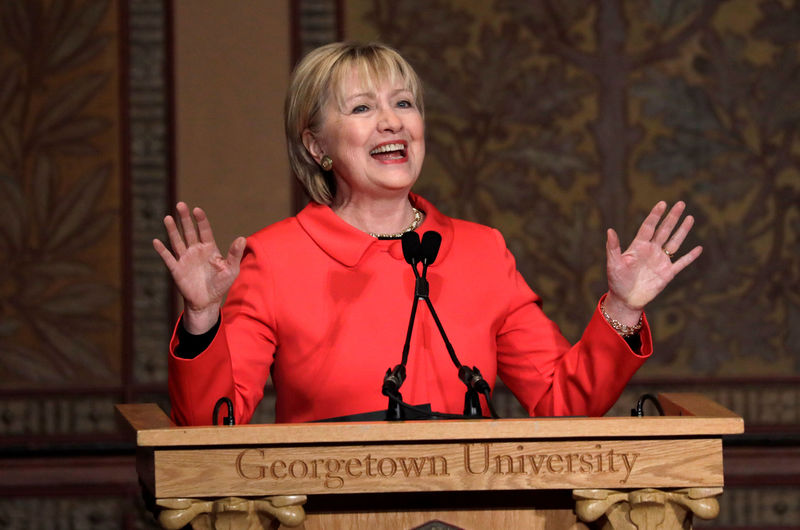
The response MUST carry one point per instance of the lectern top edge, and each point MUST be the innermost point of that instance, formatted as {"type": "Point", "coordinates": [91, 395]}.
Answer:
{"type": "Point", "coordinates": [153, 429]}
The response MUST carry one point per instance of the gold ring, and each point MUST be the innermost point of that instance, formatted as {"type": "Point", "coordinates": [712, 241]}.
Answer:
{"type": "Point", "coordinates": [667, 252]}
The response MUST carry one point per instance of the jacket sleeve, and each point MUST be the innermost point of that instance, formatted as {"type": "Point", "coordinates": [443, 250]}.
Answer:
{"type": "Point", "coordinates": [549, 376]}
{"type": "Point", "coordinates": [237, 362]}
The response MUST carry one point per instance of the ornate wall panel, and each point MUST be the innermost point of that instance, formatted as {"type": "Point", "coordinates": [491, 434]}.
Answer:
{"type": "Point", "coordinates": [83, 172]}
{"type": "Point", "coordinates": [61, 166]}
{"type": "Point", "coordinates": [84, 301]}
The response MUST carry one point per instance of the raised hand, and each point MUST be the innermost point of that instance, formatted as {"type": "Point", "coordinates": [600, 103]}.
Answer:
{"type": "Point", "coordinates": [200, 272]}
{"type": "Point", "coordinates": [638, 275]}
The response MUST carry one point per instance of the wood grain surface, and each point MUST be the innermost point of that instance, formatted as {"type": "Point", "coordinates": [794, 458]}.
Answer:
{"type": "Point", "coordinates": [444, 466]}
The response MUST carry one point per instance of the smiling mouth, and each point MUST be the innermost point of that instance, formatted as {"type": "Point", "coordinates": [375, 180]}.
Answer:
{"type": "Point", "coordinates": [389, 152]}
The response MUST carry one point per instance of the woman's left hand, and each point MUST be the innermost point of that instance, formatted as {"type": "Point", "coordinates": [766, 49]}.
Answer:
{"type": "Point", "coordinates": [638, 275]}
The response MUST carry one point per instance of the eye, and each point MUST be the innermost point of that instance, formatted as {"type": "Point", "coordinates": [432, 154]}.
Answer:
{"type": "Point", "coordinates": [358, 109]}
{"type": "Point", "coordinates": [405, 104]}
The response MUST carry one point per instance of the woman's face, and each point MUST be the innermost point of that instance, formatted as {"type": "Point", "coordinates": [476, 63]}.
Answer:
{"type": "Point", "coordinates": [376, 139]}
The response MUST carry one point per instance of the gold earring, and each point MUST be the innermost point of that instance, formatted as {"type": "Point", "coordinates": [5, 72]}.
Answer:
{"type": "Point", "coordinates": [326, 163]}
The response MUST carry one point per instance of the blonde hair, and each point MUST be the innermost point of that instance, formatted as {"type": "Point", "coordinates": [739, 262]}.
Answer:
{"type": "Point", "coordinates": [319, 76]}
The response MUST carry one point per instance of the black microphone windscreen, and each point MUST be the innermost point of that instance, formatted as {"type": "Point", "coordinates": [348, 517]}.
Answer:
{"type": "Point", "coordinates": [430, 246]}
{"type": "Point", "coordinates": [411, 246]}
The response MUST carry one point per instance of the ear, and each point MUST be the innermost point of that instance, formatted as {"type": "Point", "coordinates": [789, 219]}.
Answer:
{"type": "Point", "coordinates": [312, 145]}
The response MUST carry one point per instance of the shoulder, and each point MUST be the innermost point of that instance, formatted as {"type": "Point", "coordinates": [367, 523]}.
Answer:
{"type": "Point", "coordinates": [478, 236]}
{"type": "Point", "coordinates": [281, 233]}
{"type": "Point", "coordinates": [472, 229]}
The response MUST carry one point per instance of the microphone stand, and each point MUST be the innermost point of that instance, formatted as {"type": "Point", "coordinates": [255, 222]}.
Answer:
{"type": "Point", "coordinates": [413, 252]}
{"type": "Point", "coordinates": [395, 377]}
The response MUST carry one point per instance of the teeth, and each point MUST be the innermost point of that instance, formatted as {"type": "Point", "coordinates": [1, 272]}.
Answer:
{"type": "Point", "coordinates": [386, 148]}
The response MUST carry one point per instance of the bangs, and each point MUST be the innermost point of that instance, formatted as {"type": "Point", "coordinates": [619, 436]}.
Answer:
{"type": "Point", "coordinates": [373, 67]}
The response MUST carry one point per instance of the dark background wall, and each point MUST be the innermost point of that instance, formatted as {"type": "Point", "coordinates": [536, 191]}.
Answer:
{"type": "Point", "coordinates": [549, 120]}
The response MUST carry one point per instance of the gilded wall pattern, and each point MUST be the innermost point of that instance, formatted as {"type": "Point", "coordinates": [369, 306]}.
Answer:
{"type": "Point", "coordinates": [84, 302]}
{"type": "Point", "coordinates": [554, 120]}
{"type": "Point", "coordinates": [60, 199]}
{"type": "Point", "coordinates": [83, 184]}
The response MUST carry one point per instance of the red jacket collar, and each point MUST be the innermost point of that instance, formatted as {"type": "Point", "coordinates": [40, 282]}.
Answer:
{"type": "Point", "coordinates": [347, 244]}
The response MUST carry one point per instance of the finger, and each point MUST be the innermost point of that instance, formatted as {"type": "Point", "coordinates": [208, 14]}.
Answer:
{"type": "Point", "coordinates": [187, 224]}
{"type": "Point", "coordinates": [668, 224]}
{"type": "Point", "coordinates": [650, 223]}
{"type": "Point", "coordinates": [166, 255]}
{"type": "Point", "coordinates": [676, 240]}
{"type": "Point", "coordinates": [203, 226]}
{"type": "Point", "coordinates": [686, 259]}
{"type": "Point", "coordinates": [613, 250]}
{"type": "Point", "coordinates": [236, 251]}
{"type": "Point", "coordinates": [174, 235]}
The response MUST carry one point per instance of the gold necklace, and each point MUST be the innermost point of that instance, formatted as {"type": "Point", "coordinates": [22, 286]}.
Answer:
{"type": "Point", "coordinates": [413, 226]}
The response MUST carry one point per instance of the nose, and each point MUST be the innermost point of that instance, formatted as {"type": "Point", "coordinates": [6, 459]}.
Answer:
{"type": "Point", "coordinates": [389, 120]}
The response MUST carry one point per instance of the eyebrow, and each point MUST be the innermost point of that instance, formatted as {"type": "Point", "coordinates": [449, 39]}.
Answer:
{"type": "Point", "coordinates": [372, 94]}
{"type": "Point", "coordinates": [360, 95]}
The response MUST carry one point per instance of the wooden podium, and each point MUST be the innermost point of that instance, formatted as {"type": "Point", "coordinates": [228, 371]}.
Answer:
{"type": "Point", "coordinates": [613, 472]}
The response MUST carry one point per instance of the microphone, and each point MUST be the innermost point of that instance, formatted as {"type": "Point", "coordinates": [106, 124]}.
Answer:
{"type": "Point", "coordinates": [411, 247]}
{"type": "Point", "coordinates": [429, 248]}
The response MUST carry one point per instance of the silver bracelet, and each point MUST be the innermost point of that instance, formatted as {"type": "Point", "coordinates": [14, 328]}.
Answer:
{"type": "Point", "coordinates": [623, 329]}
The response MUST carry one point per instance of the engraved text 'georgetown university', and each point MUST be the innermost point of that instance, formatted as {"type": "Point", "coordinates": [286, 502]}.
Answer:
{"type": "Point", "coordinates": [478, 459]}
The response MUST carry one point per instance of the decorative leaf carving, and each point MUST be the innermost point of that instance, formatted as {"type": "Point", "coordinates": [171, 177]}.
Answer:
{"type": "Point", "coordinates": [79, 299]}
{"type": "Point", "coordinates": [10, 147]}
{"type": "Point", "coordinates": [74, 213]}
{"type": "Point", "coordinates": [9, 84]}
{"type": "Point", "coordinates": [17, 23]}
{"type": "Point", "coordinates": [76, 37]}
{"type": "Point", "coordinates": [86, 53]}
{"type": "Point", "coordinates": [52, 207]}
{"type": "Point", "coordinates": [73, 131]}
{"type": "Point", "coordinates": [64, 105]}
{"type": "Point", "coordinates": [78, 355]}
{"type": "Point", "coordinates": [44, 177]}
{"type": "Point", "coordinates": [23, 360]}
{"type": "Point", "coordinates": [13, 216]}
{"type": "Point", "coordinates": [56, 269]}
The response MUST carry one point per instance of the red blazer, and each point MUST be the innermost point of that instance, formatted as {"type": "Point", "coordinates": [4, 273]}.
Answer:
{"type": "Point", "coordinates": [324, 308]}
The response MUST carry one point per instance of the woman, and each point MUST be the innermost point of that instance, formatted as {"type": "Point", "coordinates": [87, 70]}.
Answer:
{"type": "Point", "coordinates": [321, 300]}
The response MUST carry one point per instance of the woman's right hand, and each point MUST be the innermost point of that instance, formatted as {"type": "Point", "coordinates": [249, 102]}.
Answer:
{"type": "Point", "coordinates": [200, 272]}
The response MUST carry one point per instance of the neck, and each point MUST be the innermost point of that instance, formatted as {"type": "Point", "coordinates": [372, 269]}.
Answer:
{"type": "Point", "coordinates": [382, 216]}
